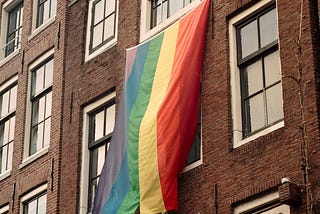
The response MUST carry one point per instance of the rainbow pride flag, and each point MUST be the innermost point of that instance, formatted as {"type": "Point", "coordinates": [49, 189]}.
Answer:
{"type": "Point", "coordinates": [156, 120]}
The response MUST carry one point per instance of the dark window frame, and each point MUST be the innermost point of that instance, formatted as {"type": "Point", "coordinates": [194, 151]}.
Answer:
{"type": "Point", "coordinates": [40, 20]}
{"type": "Point", "coordinates": [94, 144]}
{"type": "Point", "coordinates": [36, 97]}
{"type": "Point", "coordinates": [105, 17]}
{"type": "Point", "coordinates": [19, 8]}
{"type": "Point", "coordinates": [242, 63]}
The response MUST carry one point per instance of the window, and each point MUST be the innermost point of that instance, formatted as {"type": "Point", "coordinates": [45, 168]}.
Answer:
{"type": "Point", "coordinates": [102, 26]}
{"type": "Point", "coordinates": [8, 98]}
{"type": "Point", "coordinates": [256, 73]}
{"type": "Point", "coordinates": [46, 9]}
{"type": "Point", "coordinates": [41, 99]}
{"type": "Point", "coordinates": [267, 204]}
{"type": "Point", "coordinates": [35, 202]}
{"type": "Point", "coordinates": [4, 209]}
{"type": "Point", "coordinates": [99, 119]}
{"type": "Point", "coordinates": [163, 9]}
{"type": "Point", "coordinates": [159, 14]}
{"type": "Point", "coordinates": [12, 13]}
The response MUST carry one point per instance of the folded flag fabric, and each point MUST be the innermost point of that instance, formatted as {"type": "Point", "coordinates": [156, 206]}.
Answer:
{"type": "Point", "coordinates": [156, 120]}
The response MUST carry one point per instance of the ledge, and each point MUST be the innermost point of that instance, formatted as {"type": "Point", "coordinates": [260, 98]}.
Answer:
{"type": "Point", "coordinates": [8, 58]}
{"type": "Point", "coordinates": [41, 28]}
{"type": "Point", "coordinates": [5, 175]}
{"type": "Point", "coordinates": [34, 157]}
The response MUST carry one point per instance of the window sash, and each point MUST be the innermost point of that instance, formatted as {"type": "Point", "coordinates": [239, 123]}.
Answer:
{"type": "Point", "coordinates": [102, 22]}
{"type": "Point", "coordinates": [36, 200]}
{"type": "Point", "coordinates": [45, 10]}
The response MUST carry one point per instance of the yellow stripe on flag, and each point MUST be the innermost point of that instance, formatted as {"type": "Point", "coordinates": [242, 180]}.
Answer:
{"type": "Point", "coordinates": [150, 189]}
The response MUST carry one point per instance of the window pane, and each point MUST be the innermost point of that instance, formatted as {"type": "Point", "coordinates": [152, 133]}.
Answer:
{"type": "Point", "coordinates": [13, 98]}
{"type": "Point", "coordinates": [39, 78]}
{"type": "Point", "coordinates": [256, 112]}
{"type": "Point", "coordinates": [42, 204]}
{"type": "Point", "coordinates": [35, 112]}
{"type": "Point", "coordinates": [1, 134]}
{"type": "Point", "coordinates": [11, 129]}
{"type": "Point", "coordinates": [1, 161]}
{"type": "Point", "coordinates": [174, 6]}
{"type": "Point", "coordinates": [110, 7]}
{"type": "Point", "coordinates": [101, 158]}
{"type": "Point", "coordinates": [4, 158]}
{"type": "Point", "coordinates": [32, 207]}
{"type": "Point", "coordinates": [109, 27]}
{"type": "Point", "coordinates": [249, 39]}
{"type": "Point", "coordinates": [48, 104]}
{"type": "Point", "coordinates": [98, 11]}
{"type": "Point", "coordinates": [97, 35]}
{"type": "Point", "coordinates": [164, 11]}
{"type": "Point", "coordinates": [5, 104]}
{"type": "Point", "coordinates": [268, 28]}
{"type": "Point", "coordinates": [47, 130]}
{"type": "Point", "coordinates": [274, 103]}
{"type": "Point", "coordinates": [53, 8]}
{"type": "Point", "coordinates": [41, 109]}
{"type": "Point", "coordinates": [99, 125]}
{"type": "Point", "coordinates": [111, 112]}
{"type": "Point", "coordinates": [6, 132]}
{"type": "Point", "coordinates": [255, 78]}
{"type": "Point", "coordinates": [49, 73]}
{"type": "Point", "coordinates": [10, 153]}
{"type": "Point", "coordinates": [194, 154]}
{"type": "Point", "coordinates": [40, 15]}
{"type": "Point", "coordinates": [272, 68]}
{"type": "Point", "coordinates": [33, 141]}
{"type": "Point", "coordinates": [40, 136]}
{"type": "Point", "coordinates": [46, 11]}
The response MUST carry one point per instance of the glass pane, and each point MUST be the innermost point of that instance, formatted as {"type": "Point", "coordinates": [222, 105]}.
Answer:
{"type": "Point", "coordinates": [110, 7]}
{"type": "Point", "coordinates": [11, 129]}
{"type": "Point", "coordinates": [111, 112]}
{"type": "Point", "coordinates": [40, 136]}
{"type": "Point", "coordinates": [32, 207]}
{"type": "Point", "coordinates": [94, 162]}
{"type": "Point", "coordinates": [41, 109]}
{"type": "Point", "coordinates": [53, 8]}
{"type": "Point", "coordinates": [99, 125]}
{"type": "Point", "coordinates": [98, 11]}
{"type": "Point", "coordinates": [10, 153]}
{"type": "Point", "coordinates": [272, 68]}
{"type": "Point", "coordinates": [12, 22]}
{"type": "Point", "coordinates": [174, 6]}
{"type": "Point", "coordinates": [194, 154]}
{"type": "Point", "coordinates": [39, 80]}
{"type": "Point", "coordinates": [4, 158]}
{"type": "Point", "coordinates": [46, 13]}
{"type": "Point", "coordinates": [47, 130]}
{"type": "Point", "coordinates": [1, 160]}
{"type": "Point", "coordinates": [1, 134]}
{"type": "Point", "coordinates": [274, 103]}
{"type": "Point", "coordinates": [5, 104]}
{"type": "Point", "coordinates": [101, 158]}
{"type": "Point", "coordinates": [42, 204]}
{"type": "Point", "coordinates": [158, 15]}
{"type": "Point", "coordinates": [257, 112]}
{"type": "Point", "coordinates": [13, 98]}
{"type": "Point", "coordinates": [108, 27]}
{"type": "Point", "coordinates": [35, 112]}
{"type": "Point", "coordinates": [249, 39]}
{"type": "Point", "coordinates": [255, 78]}
{"type": "Point", "coordinates": [33, 141]}
{"type": "Point", "coordinates": [164, 11]}
{"type": "Point", "coordinates": [49, 73]}
{"type": "Point", "coordinates": [40, 15]}
{"type": "Point", "coordinates": [97, 35]}
{"type": "Point", "coordinates": [48, 104]}
{"type": "Point", "coordinates": [6, 132]}
{"type": "Point", "coordinates": [268, 28]}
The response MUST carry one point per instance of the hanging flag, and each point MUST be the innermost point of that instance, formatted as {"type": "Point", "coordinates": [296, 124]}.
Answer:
{"type": "Point", "coordinates": [156, 120]}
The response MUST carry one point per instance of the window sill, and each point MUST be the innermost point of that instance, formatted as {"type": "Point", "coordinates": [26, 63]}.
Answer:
{"type": "Point", "coordinates": [5, 175]}
{"type": "Point", "coordinates": [41, 28]}
{"type": "Point", "coordinates": [192, 166]}
{"type": "Point", "coordinates": [107, 46]}
{"type": "Point", "coordinates": [8, 58]}
{"type": "Point", "coordinates": [34, 157]}
{"type": "Point", "coordinates": [259, 134]}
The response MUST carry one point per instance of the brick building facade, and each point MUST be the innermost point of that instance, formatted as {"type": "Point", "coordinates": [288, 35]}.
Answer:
{"type": "Point", "coordinates": [58, 82]}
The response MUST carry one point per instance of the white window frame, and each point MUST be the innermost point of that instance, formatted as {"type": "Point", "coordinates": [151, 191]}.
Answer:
{"type": "Point", "coordinates": [270, 199]}
{"type": "Point", "coordinates": [106, 46]}
{"type": "Point", "coordinates": [4, 86]}
{"type": "Point", "coordinates": [32, 194]}
{"type": "Point", "coordinates": [145, 32]}
{"type": "Point", "coordinates": [26, 158]}
{"type": "Point", "coordinates": [7, 6]}
{"type": "Point", "coordinates": [235, 80]}
{"type": "Point", "coordinates": [36, 30]}
{"type": "Point", "coordinates": [4, 209]}
{"type": "Point", "coordinates": [85, 157]}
